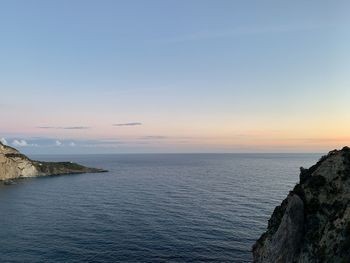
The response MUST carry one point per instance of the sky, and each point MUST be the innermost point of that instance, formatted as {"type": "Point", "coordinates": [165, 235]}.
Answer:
{"type": "Point", "coordinates": [135, 76]}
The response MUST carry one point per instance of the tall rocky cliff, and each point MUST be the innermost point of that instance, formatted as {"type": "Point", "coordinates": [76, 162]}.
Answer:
{"type": "Point", "coordinates": [15, 165]}
{"type": "Point", "coordinates": [313, 223]}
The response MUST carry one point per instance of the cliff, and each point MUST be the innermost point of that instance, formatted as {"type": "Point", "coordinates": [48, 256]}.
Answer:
{"type": "Point", "coordinates": [15, 165]}
{"type": "Point", "coordinates": [313, 223]}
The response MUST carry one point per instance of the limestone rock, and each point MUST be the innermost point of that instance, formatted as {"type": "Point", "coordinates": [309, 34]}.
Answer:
{"type": "Point", "coordinates": [313, 223]}
{"type": "Point", "coordinates": [281, 247]}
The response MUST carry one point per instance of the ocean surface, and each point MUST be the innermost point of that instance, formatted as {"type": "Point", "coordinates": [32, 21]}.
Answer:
{"type": "Point", "coordinates": [147, 208]}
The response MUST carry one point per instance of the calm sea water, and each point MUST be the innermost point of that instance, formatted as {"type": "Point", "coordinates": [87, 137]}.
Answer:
{"type": "Point", "coordinates": [148, 208]}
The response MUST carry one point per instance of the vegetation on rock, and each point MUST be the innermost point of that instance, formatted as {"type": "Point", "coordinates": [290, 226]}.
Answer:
{"type": "Point", "coordinates": [324, 190]}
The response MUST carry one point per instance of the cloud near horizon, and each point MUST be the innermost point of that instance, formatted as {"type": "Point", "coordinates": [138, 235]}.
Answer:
{"type": "Point", "coordinates": [54, 144]}
{"type": "Point", "coordinates": [3, 141]}
{"type": "Point", "coordinates": [22, 143]}
{"type": "Point", "coordinates": [38, 142]}
{"type": "Point", "coordinates": [128, 124]}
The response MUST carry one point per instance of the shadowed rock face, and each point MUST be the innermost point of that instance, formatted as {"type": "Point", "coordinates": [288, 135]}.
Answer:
{"type": "Point", "coordinates": [313, 223]}
{"type": "Point", "coordinates": [282, 245]}
{"type": "Point", "coordinates": [15, 165]}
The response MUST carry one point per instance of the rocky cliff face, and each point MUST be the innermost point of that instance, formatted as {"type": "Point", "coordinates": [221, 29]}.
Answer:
{"type": "Point", "coordinates": [15, 165]}
{"type": "Point", "coordinates": [313, 223]}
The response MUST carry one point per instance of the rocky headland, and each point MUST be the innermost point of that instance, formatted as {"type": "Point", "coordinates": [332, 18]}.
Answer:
{"type": "Point", "coordinates": [313, 223]}
{"type": "Point", "coordinates": [14, 165]}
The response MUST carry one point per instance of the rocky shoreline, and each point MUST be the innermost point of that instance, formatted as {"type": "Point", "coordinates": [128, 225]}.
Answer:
{"type": "Point", "coordinates": [14, 165]}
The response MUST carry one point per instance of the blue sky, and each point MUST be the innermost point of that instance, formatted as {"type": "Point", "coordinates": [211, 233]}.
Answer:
{"type": "Point", "coordinates": [198, 76]}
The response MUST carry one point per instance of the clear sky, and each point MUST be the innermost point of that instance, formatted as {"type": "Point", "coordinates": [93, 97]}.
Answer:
{"type": "Point", "coordinates": [174, 75]}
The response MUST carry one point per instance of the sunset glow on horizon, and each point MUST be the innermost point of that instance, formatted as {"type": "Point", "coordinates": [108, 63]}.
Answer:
{"type": "Point", "coordinates": [176, 76]}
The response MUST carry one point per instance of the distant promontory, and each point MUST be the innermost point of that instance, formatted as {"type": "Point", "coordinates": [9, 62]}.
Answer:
{"type": "Point", "coordinates": [14, 165]}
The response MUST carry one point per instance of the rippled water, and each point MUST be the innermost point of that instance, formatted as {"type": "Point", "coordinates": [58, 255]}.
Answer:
{"type": "Point", "coordinates": [148, 208]}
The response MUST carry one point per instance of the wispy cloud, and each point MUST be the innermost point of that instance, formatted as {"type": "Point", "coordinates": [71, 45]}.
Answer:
{"type": "Point", "coordinates": [58, 143]}
{"type": "Point", "coordinates": [239, 31]}
{"type": "Point", "coordinates": [321, 140]}
{"type": "Point", "coordinates": [128, 124]}
{"type": "Point", "coordinates": [76, 128]}
{"type": "Point", "coordinates": [154, 137]}
{"type": "Point", "coordinates": [65, 127]}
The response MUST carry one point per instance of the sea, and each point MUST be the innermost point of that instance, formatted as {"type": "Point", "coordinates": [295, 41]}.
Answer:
{"type": "Point", "coordinates": [147, 208]}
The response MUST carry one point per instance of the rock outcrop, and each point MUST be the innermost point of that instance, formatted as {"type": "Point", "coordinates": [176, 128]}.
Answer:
{"type": "Point", "coordinates": [313, 223]}
{"type": "Point", "coordinates": [14, 165]}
